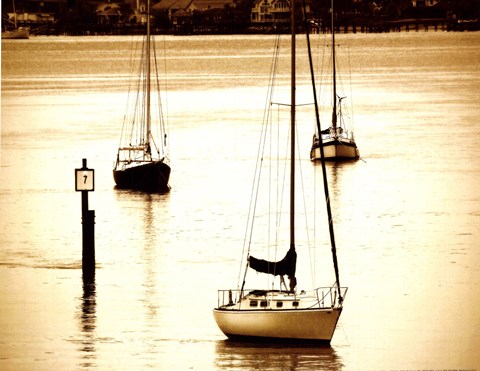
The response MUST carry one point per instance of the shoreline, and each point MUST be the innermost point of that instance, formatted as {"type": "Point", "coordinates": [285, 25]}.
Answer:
{"type": "Point", "coordinates": [401, 25]}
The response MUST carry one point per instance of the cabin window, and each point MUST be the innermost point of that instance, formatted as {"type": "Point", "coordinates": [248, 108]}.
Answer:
{"type": "Point", "coordinates": [279, 304]}
{"type": "Point", "coordinates": [295, 304]}
{"type": "Point", "coordinates": [253, 303]}
{"type": "Point", "coordinates": [263, 304]}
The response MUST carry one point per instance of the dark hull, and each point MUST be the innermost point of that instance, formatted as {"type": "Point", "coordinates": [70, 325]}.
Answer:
{"type": "Point", "coordinates": [276, 341]}
{"type": "Point", "coordinates": [148, 177]}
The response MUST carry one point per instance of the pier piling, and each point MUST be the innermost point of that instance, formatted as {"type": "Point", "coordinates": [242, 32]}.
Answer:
{"type": "Point", "coordinates": [85, 182]}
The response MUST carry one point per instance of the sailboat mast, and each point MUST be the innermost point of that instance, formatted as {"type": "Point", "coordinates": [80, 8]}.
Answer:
{"type": "Point", "coordinates": [292, 126]}
{"type": "Point", "coordinates": [14, 15]}
{"type": "Point", "coordinates": [334, 113]}
{"type": "Point", "coordinates": [147, 119]}
{"type": "Point", "coordinates": [322, 157]}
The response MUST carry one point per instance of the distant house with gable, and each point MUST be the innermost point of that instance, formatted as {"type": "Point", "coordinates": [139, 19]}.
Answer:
{"type": "Point", "coordinates": [270, 12]}
{"type": "Point", "coordinates": [174, 6]}
{"type": "Point", "coordinates": [109, 13]}
{"type": "Point", "coordinates": [190, 15]}
{"type": "Point", "coordinates": [424, 9]}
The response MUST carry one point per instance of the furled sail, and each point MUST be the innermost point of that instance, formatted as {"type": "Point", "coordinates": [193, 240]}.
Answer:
{"type": "Point", "coordinates": [286, 266]}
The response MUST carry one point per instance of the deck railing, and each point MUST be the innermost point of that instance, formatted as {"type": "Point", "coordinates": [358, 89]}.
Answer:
{"type": "Point", "coordinates": [326, 297]}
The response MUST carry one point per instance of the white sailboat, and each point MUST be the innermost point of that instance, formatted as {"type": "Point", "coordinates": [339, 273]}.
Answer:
{"type": "Point", "coordinates": [282, 313]}
{"type": "Point", "coordinates": [16, 32]}
{"type": "Point", "coordinates": [141, 162]}
{"type": "Point", "coordinates": [338, 141]}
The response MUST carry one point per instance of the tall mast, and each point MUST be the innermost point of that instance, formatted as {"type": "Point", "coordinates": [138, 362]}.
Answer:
{"type": "Point", "coordinates": [292, 127]}
{"type": "Point", "coordinates": [147, 141]}
{"type": "Point", "coordinates": [322, 156]}
{"type": "Point", "coordinates": [327, 196]}
{"type": "Point", "coordinates": [334, 113]}
{"type": "Point", "coordinates": [14, 15]}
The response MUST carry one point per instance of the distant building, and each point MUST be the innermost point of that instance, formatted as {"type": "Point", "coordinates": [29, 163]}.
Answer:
{"type": "Point", "coordinates": [421, 3]}
{"type": "Point", "coordinates": [270, 12]}
{"type": "Point", "coordinates": [424, 9]}
{"type": "Point", "coordinates": [33, 11]}
{"type": "Point", "coordinates": [109, 13]}
{"type": "Point", "coordinates": [196, 15]}
{"type": "Point", "coordinates": [190, 6]}
{"type": "Point", "coordinates": [175, 6]}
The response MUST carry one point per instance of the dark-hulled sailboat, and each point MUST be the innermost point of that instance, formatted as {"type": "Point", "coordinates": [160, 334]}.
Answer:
{"type": "Point", "coordinates": [338, 140]}
{"type": "Point", "coordinates": [141, 162]}
{"type": "Point", "coordinates": [284, 314]}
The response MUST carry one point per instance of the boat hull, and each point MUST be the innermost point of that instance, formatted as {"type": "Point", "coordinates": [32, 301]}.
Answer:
{"type": "Point", "coordinates": [16, 34]}
{"type": "Point", "coordinates": [335, 150]}
{"type": "Point", "coordinates": [149, 177]}
{"type": "Point", "coordinates": [298, 325]}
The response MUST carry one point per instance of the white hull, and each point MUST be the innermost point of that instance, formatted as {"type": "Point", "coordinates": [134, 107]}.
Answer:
{"type": "Point", "coordinates": [280, 315]}
{"type": "Point", "coordinates": [16, 34]}
{"type": "Point", "coordinates": [296, 324]}
{"type": "Point", "coordinates": [336, 150]}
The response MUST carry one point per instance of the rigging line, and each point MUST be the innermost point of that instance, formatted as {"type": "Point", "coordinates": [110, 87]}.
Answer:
{"type": "Point", "coordinates": [258, 167]}
{"type": "Point", "coordinates": [271, 167]}
{"type": "Point", "coordinates": [135, 114]}
{"type": "Point", "coordinates": [270, 193]}
{"type": "Point", "coordinates": [138, 113]}
{"type": "Point", "coordinates": [302, 187]}
{"type": "Point", "coordinates": [159, 102]}
{"type": "Point", "coordinates": [281, 186]}
{"type": "Point", "coordinates": [351, 87]}
{"type": "Point", "coordinates": [320, 63]}
{"type": "Point", "coordinates": [161, 121]}
{"type": "Point", "coordinates": [129, 92]}
{"type": "Point", "coordinates": [322, 155]}
{"type": "Point", "coordinates": [312, 75]}
{"type": "Point", "coordinates": [279, 190]}
{"type": "Point", "coordinates": [166, 119]}
{"type": "Point", "coordinates": [258, 174]}
{"type": "Point", "coordinates": [314, 272]}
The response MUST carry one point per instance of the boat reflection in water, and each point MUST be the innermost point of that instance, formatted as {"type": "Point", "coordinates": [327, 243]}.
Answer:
{"type": "Point", "coordinates": [275, 356]}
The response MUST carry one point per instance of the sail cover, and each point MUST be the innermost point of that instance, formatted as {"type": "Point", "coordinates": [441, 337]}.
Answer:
{"type": "Point", "coordinates": [286, 266]}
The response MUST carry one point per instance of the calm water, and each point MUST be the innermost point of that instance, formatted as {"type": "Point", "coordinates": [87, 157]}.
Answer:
{"type": "Point", "coordinates": [407, 216]}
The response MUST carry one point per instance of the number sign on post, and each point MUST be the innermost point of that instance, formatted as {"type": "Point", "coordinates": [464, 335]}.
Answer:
{"type": "Point", "coordinates": [84, 179]}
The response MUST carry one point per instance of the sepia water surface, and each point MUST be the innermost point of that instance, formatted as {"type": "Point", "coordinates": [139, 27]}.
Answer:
{"type": "Point", "coordinates": [407, 216]}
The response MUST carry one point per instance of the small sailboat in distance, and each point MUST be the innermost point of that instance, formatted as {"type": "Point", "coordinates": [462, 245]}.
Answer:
{"type": "Point", "coordinates": [286, 314]}
{"type": "Point", "coordinates": [16, 32]}
{"type": "Point", "coordinates": [141, 162]}
{"type": "Point", "coordinates": [338, 140]}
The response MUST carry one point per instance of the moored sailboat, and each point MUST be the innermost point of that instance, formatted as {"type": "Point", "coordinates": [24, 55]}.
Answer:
{"type": "Point", "coordinates": [338, 140]}
{"type": "Point", "coordinates": [282, 313]}
{"type": "Point", "coordinates": [16, 32]}
{"type": "Point", "coordinates": [141, 162]}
